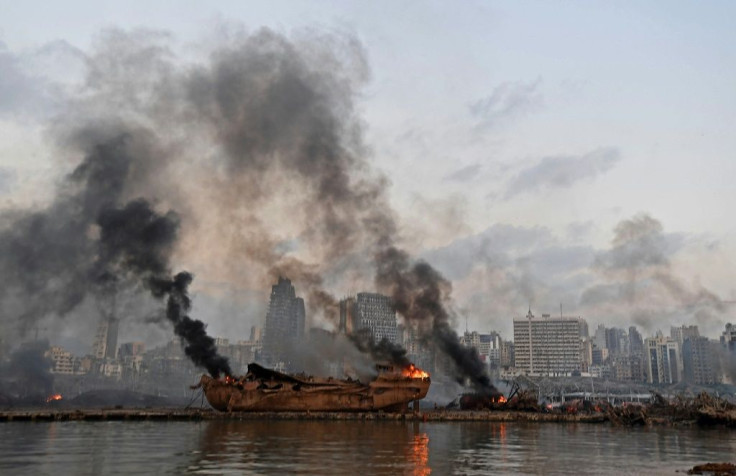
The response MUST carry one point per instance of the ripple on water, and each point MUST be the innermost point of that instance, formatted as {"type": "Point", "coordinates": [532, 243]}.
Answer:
{"type": "Point", "coordinates": [352, 447]}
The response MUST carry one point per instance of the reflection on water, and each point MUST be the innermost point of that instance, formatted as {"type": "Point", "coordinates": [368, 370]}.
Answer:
{"type": "Point", "coordinates": [418, 455]}
{"type": "Point", "coordinates": [357, 447]}
{"type": "Point", "coordinates": [315, 447]}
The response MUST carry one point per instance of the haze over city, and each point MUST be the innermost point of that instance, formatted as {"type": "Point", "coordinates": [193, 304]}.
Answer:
{"type": "Point", "coordinates": [513, 147]}
{"type": "Point", "coordinates": [429, 221]}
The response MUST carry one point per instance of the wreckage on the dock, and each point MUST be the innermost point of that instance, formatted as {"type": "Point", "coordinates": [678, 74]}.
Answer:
{"type": "Point", "coordinates": [262, 389]}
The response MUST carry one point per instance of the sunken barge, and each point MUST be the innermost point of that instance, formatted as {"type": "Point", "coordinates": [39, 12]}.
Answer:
{"type": "Point", "coordinates": [265, 390]}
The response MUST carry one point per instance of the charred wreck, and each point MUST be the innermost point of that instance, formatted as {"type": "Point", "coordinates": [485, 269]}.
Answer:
{"type": "Point", "coordinates": [262, 389]}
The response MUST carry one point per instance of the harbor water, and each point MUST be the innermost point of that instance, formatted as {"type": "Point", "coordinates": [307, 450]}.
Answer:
{"type": "Point", "coordinates": [354, 447]}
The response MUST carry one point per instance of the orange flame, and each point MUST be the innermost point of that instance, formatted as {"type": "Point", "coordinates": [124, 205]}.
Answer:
{"type": "Point", "coordinates": [501, 399]}
{"type": "Point", "coordinates": [229, 379]}
{"type": "Point", "coordinates": [54, 397]}
{"type": "Point", "coordinates": [413, 371]}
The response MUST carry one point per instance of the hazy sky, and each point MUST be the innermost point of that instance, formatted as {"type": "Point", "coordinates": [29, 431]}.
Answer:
{"type": "Point", "coordinates": [517, 135]}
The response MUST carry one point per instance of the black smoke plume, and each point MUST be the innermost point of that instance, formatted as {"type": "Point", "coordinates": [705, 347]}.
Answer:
{"type": "Point", "coordinates": [199, 346]}
{"type": "Point", "coordinates": [88, 243]}
{"type": "Point", "coordinates": [137, 240]}
{"type": "Point", "coordinates": [382, 351]}
{"type": "Point", "coordinates": [421, 295]}
{"type": "Point", "coordinates": [28, 371]}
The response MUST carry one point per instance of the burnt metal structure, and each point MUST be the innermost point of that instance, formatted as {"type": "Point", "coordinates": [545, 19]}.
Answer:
{"type": "Point", "coordinates": [262, 389]}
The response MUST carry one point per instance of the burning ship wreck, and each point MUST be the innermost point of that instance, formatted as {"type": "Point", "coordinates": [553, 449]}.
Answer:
{"type": "Point", "coordinates": [262, 389]}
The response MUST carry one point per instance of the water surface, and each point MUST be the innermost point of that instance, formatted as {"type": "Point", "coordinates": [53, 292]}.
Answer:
{"type": "Point", "coordinates": [353, 447]}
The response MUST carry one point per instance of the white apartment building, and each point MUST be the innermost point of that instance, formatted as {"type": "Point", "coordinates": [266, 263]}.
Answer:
{"type": "Point", "coordinates": [549, 345]}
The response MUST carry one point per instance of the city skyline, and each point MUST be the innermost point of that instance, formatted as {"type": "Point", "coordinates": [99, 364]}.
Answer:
{"type": "Point", "coordinates": [684, 355]}
{"type": "Point", "coordinates": [415, 237]}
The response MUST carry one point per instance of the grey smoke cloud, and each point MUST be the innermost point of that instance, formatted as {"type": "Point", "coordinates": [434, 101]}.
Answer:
{"type": "Point", "coordinates": [562, 171]}
{"type": "Point", "coordinates": [636, 280]}
{"type": "Point", "coordinates": [30, 84]}
{"type": "Point", "coordinates": [507, 101]}
{"type": "Point", "coordinates": [499, 272]}
{"type": "Point", "coordinates": [464, 174]}
{"type": "Point", "coordinates": [8, 178]}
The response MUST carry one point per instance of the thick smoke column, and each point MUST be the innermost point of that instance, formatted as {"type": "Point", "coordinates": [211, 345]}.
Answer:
{"type": "Point", "coordinates": [384, 350]}
{"type": "Point", "coordinates": [137, 240]}
{"type": "Point", "coordinates": [87, 244]}
{"type": "Point", "coordinates": [285, 106]}
{"type": "Point", "coordinates": [199, 346]}
{"type": "Point", "coordinates": [421, 295]}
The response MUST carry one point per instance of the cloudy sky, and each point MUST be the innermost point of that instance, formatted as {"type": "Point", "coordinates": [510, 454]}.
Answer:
{"type": "Point", "coordinates": [577, 154]}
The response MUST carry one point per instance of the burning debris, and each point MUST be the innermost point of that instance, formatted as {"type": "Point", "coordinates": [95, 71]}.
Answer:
{"type": "Point", "coordinates": [414, 372]}
{"type": "Point", "coordinates": [474, 401]}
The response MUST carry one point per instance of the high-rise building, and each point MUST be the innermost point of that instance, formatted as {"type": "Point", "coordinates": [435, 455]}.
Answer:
{"type": "Point", "coordinates": [636, 343]}
{"type": "Point", "coordinates": [375, 312]}
{"type": "Point", "coordinates": [507, 358]}
{"type": "Point", "coordinates": [285, 322]}
{"type": "Point", "coordinates": [680, 334]}
{"type": "Point", "coordinates": [662, 360]}
{"type": "Point", "coordinates": [728, 339]}
{"type": "Point", "coordinates": [599, 338]}
{"type": "Point", "coordinates": [617, 342]}
{"type": "Point", "coordinates": [599, 356]}
{"type": "Point", "coordinates": [699, 361]}
{"type": "Point", "coordinates": [105, 345]}
{"type": "Point", "coordinates": [548, 345]}
{"type": "Point", "coordinates": [487, 345]}
{"type": "Point", "coordinates": [347, 317]}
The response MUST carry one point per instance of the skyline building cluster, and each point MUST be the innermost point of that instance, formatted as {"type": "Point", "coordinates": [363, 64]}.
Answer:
{"type": "Point", "coordinates": [560, 346]}
{"type": "Point", "coordinates": [545, 345]}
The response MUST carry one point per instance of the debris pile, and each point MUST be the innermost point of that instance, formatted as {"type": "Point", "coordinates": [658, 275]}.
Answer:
{"type": "Point", "coordinates": [580, 405]}
{"type": "Point", "coordinates": [523, 401]}
{"type": "Point", "coordinates": [715, 469]}
{"type": "Point", "coordinates": [704, 409]}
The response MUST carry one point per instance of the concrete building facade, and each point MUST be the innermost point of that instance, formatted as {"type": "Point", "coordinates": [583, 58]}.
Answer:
{"type": "Point", "coordinates": [662, 360]}
{"type": "Point", "coordinates": [375, 312]}
{"type": "Point", "coordinates": [105, 345]}
{"type": "Point", "coordinates": [699, 361]}
{"type": "Point", "coordinates": [548, 345]}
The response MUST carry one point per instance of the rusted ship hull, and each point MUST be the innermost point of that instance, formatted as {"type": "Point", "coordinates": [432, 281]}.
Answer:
{"type": "Point", "coordinates": [267, 390]}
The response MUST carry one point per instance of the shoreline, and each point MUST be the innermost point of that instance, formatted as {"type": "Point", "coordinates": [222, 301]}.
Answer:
{"type": "Point", "coordinates": [174, 414]}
